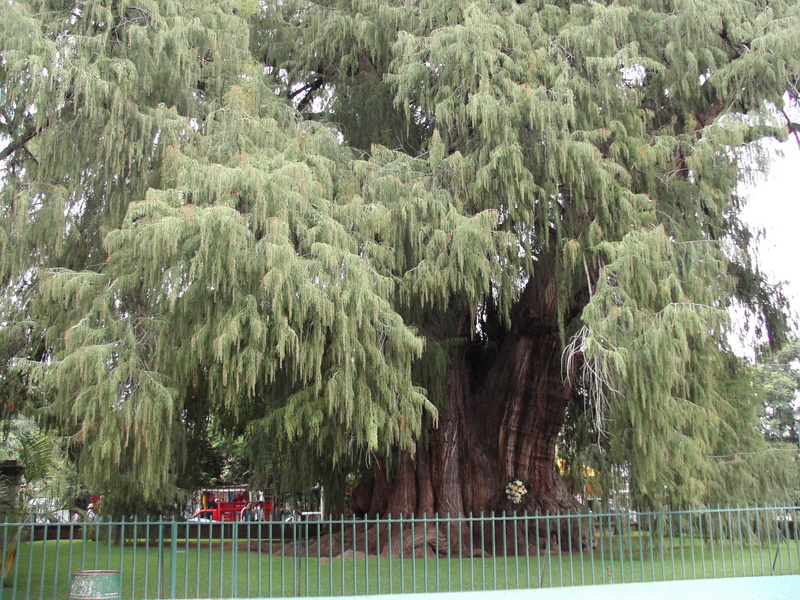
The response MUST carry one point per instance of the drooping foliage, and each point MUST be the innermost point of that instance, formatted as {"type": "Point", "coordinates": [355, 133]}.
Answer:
{"type": "Point", "coordinates": [330, 225]}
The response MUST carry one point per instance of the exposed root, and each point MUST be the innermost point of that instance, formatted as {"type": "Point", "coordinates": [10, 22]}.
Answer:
{"type": "Point", "coordinates": [514, 535]}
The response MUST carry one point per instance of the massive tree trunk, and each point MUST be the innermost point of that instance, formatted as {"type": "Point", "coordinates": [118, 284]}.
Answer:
{"type": "Point", "coordinates": [492, 431]}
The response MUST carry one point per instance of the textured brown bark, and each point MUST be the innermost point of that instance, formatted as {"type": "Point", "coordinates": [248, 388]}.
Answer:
{"type": "Point", "coordinates": [501, 428]}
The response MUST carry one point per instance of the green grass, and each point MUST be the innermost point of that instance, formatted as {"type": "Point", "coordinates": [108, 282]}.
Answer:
{"type": "Point", "coordinates": [205, 569]}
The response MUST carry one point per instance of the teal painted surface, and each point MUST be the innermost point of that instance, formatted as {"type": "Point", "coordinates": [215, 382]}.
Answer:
{"type": "Point", "coordinates": [95, 585]}
{"type": "Point", "coordinates": [785, 587]}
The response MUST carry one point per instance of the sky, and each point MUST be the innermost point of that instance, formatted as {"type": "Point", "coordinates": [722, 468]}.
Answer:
{"type": "Point", "coordinates": [774, 206]}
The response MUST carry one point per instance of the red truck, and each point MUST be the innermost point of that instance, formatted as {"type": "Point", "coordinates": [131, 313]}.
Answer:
{"type": "Point", "coordinates": [225, 511]}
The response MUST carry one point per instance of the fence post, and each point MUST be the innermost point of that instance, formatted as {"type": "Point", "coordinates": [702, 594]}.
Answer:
{"type": "Point", "coordinates": [161, 557]}
{"type": "Point", "coordinates": [235, 558]}
{"type": "Point", "coordinates": [173, 567]}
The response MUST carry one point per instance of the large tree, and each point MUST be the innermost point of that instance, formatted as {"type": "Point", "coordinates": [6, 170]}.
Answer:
{"type": "Point", "coordinates": [417, 235]}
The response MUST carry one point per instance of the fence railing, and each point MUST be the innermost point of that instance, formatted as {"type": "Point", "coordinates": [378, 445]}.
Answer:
{"type": "Point", "coordinates": [171, 559]}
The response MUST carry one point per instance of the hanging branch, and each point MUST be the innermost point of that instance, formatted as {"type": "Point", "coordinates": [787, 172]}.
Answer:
{"type": "Point", "coordinates": [309, 93]}
{"type": "Point", "coordinates": [794, 128]}
{"type": "Point", "coordinates": [19, 144]}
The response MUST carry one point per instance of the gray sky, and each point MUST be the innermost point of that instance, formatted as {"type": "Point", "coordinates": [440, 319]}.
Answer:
{"type": "Point", "coordinates": [774, 205]}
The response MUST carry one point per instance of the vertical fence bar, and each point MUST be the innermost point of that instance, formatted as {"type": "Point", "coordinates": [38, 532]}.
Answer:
{"type": "Point", "coordinates": [343, 530]}
{"type": "Point", "coordinates": [248, 552]}
{"type": "Point", "coordinates": [516, 521]}
{"type": "Point", "coordinates": [721, 534]}
{"type": "Point", "coordinates": [305, 528]}
{"type": "Point", "coordinates": [16, 542]}
{"type": "Point", "coordinates": [366, 559]}
{"type": "Point", "coordinates": [629, 525]}
{"type": "Point", "coordinates": [413, 555]}
{"type": "Point", "coordinates": [271, 552]}
{"type": "Point", "coordinates": [57, 560]}
{"type": "Point", "coordinates": [700, 521]}
{"type": "Point", "coordinates": [389, 553]}
{"type": "Point", "coordinates": [785, 536]}
{"type": "Point", "coordinates": [234, 560]}
{"type": "Point", "coordinates": [29, 578]}
{"type": "Point", "coordinates": [641, 543]}
{"type": "Point", "coordinates": [758, 513]}
{"type": "Point", "coordinates": [449, 553]}
{"type": "Point", "coordinates": [741, 536]}
{"type": "Point", "coordinates": [788, 542]}
{"type": "Point", "coordinates": [796, 524]}
{"type": "Point", "coordinates": [425, 551]}
{"type": "Point", "coordinates": [147, 556]}
{"type": "Point", "coordinates": [494, 549]}
{"type": "Point", "coordinates": [460, 521]}
{"type": "Point", "coordinates": [173, 559]}
{"type": "Point", "coordinates": [670, 516]}
{"type": "Point", "coordinates": [732, 543]}
{"type": "Point", "coordinates": [211, 532]}
{"type": "Point", "coordinates": [692, 542]}
{"type": "Point", "coordinates": [591, 537]}
{"type": "Point", "coordinates": [263, 534]}
{"type": "Point", "coordinates": [743, 533]}
{"type": "Point", "coordinates": [711, 543]}
{"type": "Point", "coordinates": [84, 538]}
{"type": "Point", "coordinates": [602, 539]}
{"type": "Point", "coordinates": [775, 526]}
{"type": "Point", "coordinates": [527, 524]}
{"type": "Point", "coordinates": [611, 569]}
{"type": "Point", "coordinates": [472, 550]}
{"type": "Point", "coordinates": [109, 532]}
{"type": "Point", "coordinates": [749, 528]}
{"type": "Point", "coordinates": [620, 545]}
{"type": "Point", "coordinates": [133, 558]}
{"type": "Point", "coordinates": [483, 552]}
{"type": "Point", "coordinates": [297, 567]}
{"type": "Point", "coordinates": [4, 527]}
{"type": "Point", "coordinates": [559, 544]}
{"type": "Point", "coordinates": [378, 556]}
{"type": "Point", "coordinates": [681, 542]}
{"type": "Point", "coordinates": [401, 543]}
{"type": "Point", "coordinates": [549, 556]}
{"type": "Point", "coordinates": [45, 536]}
{"type": "Point", "coordinates": [660, 519]}
{"type": "Point", "coordinates": [570, 549]}
{"type": "Point", "coordinates": [331, 585]}
{"type": "Point", "coordinates": [650, 532]}
{"type": "Point", "coordinates": [96, 526]}
{"type": "Point", "coordinates": [437, 553]}
{"type": "Point", "coordinates": [45, 539]}
{"type": "Point", "coordinates": [160, 557]}
{"type": "Point", "coordinates": [198, 542]}
{"type": "Point", "coordinates": [505, 550]}
{"type": "Point", "coordinates": [580, 548]}
{"type": "Point", "coordinates": [186, 555]}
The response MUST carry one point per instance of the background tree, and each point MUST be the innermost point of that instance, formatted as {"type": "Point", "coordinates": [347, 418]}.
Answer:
{"type": "Point", "coordinates": [416, 234]}
{"type": "Point", "coordinates": [777, 381]}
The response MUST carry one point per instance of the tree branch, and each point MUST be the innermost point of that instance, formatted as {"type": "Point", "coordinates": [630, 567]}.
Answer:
{"type": "Point", "coordinates": [19, 144]}
{"type": "Point", "coordinates": [318, 83]}
{"type": "Point", "coordinates": [794, 128]}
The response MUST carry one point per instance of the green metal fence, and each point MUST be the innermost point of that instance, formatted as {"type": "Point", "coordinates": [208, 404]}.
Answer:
{"type": "Point", "coordinates": [170, 559]}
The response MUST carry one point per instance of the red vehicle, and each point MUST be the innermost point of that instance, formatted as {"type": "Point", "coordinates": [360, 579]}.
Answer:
{"type": "Point", "coordinates": [224, 511]}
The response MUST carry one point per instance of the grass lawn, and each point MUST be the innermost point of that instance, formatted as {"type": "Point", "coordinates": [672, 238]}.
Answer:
{"type": "Point", "coordinates": [215, 569]}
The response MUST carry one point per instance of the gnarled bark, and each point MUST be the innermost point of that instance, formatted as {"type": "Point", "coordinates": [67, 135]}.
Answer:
{"type": "Point", "coordinates": [502, 428]}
